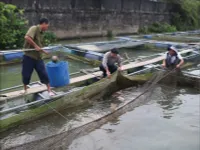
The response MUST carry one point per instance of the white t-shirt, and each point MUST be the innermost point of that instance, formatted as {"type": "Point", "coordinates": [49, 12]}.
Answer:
{"type": "Point", "coordinates": [173, 58]}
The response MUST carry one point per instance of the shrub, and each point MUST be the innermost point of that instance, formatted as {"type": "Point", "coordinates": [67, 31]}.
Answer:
{"type": "Point", "coordinates": [13, 26]}
{"type": "Point", "coordinates": [158, 28]}
{"type": "Point", "coordinates": [186, 14]}
{"type": "Point", "coordinates": [143, 30]}
{"type": "Point", "coordinates": [49, 38]}
{"type": "Point", "coordinates": [109, 33]}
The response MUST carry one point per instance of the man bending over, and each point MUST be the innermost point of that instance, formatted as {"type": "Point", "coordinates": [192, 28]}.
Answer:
{"type": "Point", "coordinates": [108, 64]}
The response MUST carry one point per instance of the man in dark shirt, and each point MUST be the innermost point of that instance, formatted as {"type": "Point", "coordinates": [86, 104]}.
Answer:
{"type": "Point", "coordinates": [33, 59]}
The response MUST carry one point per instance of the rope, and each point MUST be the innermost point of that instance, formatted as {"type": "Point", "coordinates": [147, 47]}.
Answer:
{"type": "Point", "coordinates": [153, 85]}
{"type": "Point", "coordinates": [118, 109]}
{"type": "Point", "coordinates": [180, 75]}
{"type": "Point", "coordinates": [56, 111]}
{"type": "Point", "coordinates": [127, 103]}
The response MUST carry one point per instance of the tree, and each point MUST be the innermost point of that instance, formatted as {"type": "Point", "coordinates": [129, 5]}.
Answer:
{"type": "Point", "coordinates": [12, 26]}
{"type": "Point", "coordinates": [186, 14]}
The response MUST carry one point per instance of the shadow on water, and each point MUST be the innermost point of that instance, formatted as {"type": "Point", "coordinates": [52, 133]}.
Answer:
{"type": "Point", "coordinates": [169, 101]}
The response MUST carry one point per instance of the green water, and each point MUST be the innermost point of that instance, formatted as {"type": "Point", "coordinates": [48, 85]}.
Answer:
{"type": "Point", "coordinates": [11, 75]}
{"type": "Point", "coordinates": [144, 50]}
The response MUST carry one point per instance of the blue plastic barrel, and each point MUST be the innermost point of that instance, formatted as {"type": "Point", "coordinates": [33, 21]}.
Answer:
{"type": "Point", "coordinates": [148, 36]}
{"type": "Point", "coordinates": [58, 73]}
{"type": "Point", "coordinates": [8, 56]}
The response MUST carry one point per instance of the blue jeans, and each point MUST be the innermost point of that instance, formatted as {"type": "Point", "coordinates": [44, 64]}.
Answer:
{"type": "Point", "coordinates": [28, 65]}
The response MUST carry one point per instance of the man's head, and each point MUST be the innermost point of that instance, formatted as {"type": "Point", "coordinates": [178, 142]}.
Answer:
{"type": "Point", "coordinates": [114, 52]}
{"type": "Point", "coordinates": [172, 51]}
{"type": "Point", "coordinates": [44, 24]}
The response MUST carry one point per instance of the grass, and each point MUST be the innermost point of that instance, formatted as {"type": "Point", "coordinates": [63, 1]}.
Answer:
{"type": "Point", "coordinates": [174, 39]}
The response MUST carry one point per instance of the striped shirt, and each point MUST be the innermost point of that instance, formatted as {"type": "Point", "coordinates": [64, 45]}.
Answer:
{"type": "Point", "coordinates": [109, 60]}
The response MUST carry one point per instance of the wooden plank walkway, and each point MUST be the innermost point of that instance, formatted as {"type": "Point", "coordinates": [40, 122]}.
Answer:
{"type": "Point", "coordinates": [41, 88]}
{"type": "Point", "coordinates": [14, 94]}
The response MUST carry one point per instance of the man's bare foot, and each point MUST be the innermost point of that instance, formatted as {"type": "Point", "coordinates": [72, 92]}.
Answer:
{"type": "Point", "coordinates": [24, 92]}
{"type": "Point", "coordinates": [51, 93]}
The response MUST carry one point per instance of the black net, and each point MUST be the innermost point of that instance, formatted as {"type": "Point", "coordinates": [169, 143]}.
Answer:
{"type": "Point", "coordinates": [96, 91]}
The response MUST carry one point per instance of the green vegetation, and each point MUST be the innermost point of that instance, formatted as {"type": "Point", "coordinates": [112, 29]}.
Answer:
{"type": "Point", "coordinates": [158, 28]}
{"type": "Point", "coordinates": [13, 27]}
{"type": "Point", "coordinates": [109, 33]}
{"type": "Point", "coordinates": [186, 15]}
{"type": "Point", "coordinates": [49, 38]}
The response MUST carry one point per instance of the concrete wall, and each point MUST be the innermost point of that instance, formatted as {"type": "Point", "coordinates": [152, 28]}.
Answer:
{"type": "Point", "coordinates": [71, 18]}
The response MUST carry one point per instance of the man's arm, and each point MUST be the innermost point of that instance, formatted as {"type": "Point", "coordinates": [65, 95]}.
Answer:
{"type": "Point", "coordinates": [164, 61]}
{"type": "Point", "coordinates": [31, 42]}
{"type": "Point", "coordinates": [29, 38]}
{"type": "Point", "coordinates": [181, 62]}
{"type": "Point", "coordinates": [105, 61]}
{"type": "Point", "coordinates": [119, 61]}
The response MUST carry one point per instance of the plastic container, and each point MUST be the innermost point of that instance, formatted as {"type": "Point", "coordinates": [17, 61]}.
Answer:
{"type": "Point", "coordinates": [148, 36]}
{"type": "Point", "coordinates": [58, 73]}
{"type": "Point", "coordinates": [8, 56]}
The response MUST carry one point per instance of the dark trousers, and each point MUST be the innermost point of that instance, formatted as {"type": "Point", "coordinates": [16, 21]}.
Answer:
{"type": "Point", "coordinates": [111, 68]}
{"type": "Point", "coordinates": [28, 65]}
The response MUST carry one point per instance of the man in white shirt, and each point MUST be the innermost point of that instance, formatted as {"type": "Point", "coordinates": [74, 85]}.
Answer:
{"type": "Point", "coordinates": [172, 59]}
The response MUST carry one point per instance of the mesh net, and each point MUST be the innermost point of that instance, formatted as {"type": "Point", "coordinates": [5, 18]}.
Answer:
{"type": "Point", "coordinates": [145, 85]}
{"type": "Point", "coordinates": [103, 88]}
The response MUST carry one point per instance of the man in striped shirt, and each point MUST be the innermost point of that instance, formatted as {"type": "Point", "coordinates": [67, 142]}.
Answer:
{"type": "Point", "coordinates": [108, 64]}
